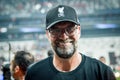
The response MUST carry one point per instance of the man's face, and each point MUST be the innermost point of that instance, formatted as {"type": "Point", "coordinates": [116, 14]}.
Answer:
{"type": "Point", "coordinates": [13, 71]}
{"type": "Point", "coordinates": [63, 37]}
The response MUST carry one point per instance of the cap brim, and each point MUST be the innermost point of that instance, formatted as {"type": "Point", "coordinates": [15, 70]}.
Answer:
{"type": "Point", "coordinates": [61, 21]}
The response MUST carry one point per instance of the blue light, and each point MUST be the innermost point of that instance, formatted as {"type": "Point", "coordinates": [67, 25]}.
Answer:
{"type": "Point", "coordinates": [105, 26]}
{"type": "Point", "coordinates": [30, 30]}
{"type": "Point", "coordinates": [1, 77]}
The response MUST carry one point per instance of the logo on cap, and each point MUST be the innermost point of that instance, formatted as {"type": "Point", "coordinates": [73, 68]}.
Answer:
{"type": "Point", "coordinates": [61, 12]}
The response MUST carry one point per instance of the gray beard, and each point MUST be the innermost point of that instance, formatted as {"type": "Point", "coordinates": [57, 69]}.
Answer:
{"type": "Point", "coordinates": [66, 52]}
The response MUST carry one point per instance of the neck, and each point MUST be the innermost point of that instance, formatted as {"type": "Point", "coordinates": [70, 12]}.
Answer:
{"type": "Point", "coordinates": [66, 65]}
{"type": "Point", "coordinates": [21, 78]}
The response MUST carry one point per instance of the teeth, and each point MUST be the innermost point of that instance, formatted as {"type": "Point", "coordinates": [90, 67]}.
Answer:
{"type": "Point", "coordinates": [68, 41]}
{"type": "Point", "coordinates": [63, 43]}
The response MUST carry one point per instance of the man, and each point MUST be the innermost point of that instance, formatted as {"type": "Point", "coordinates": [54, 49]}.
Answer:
{"type": "Point", "coordinates": [102, 59]}
{"type": "Point", "coordinates": [20, 63]}
{"type": "Point", "coordinates": [63, 31]}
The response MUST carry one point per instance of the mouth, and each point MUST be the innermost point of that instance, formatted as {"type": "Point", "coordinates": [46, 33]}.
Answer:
{"type": "Point", "coordinates": [64, 43]}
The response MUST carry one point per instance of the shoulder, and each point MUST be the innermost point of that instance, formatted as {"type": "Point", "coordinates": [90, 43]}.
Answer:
{"type": "Point", "coordinates": [98, 68]}
{"type": "Point", "coordinates": [38, 69]}
{"type": "Point", "coordinates": [95, 63]}
{"type": "Point", "coordinates": [39, 65]}
{"type": "Point", "coordinates": [91, 60]}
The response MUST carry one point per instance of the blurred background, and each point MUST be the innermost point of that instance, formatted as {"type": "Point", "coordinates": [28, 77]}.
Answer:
{"type": "Point", "coordinates": [22, 27]}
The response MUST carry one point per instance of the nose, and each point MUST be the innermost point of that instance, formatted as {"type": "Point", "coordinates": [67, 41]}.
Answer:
{"type": "Point", "coordinates": [63, 35]}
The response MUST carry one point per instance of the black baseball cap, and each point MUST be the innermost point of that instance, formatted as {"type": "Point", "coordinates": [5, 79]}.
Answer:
{"type": "Point", "coordinates": [59, 14]}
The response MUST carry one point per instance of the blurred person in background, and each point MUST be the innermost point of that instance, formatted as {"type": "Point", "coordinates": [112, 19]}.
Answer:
{"type": "Point", "coordinates": [63, 31]}
{"type": "Point", "coordinates": [2, 59]}
{"type": "Point", "coordinates": [50, 53]}
{"type": "Point", "coordinates": [102, 59]}
{"type": "Point", "coordinates": [20, 63]}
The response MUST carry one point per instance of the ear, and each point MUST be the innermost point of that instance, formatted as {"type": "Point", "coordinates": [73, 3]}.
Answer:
{"type": "Point", "coordinates": [47, 33]}
{"type": "Point", "coordinates": [79, 30]}
{"type": "Point", "coordinates": [17, 69]}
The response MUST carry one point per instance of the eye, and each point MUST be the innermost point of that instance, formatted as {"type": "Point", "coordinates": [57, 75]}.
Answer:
{"type": "Point", "coordinates": [70, 29]}
{"type": "Point", "coordinates": [54, 31]}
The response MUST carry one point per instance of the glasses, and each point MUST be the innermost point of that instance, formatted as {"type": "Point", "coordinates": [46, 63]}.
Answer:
{"type": "Point", "coordinates": [70, 31]}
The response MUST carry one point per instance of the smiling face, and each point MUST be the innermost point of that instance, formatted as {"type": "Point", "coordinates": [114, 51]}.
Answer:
{"type": "Point", "coordinates": [63, 37]}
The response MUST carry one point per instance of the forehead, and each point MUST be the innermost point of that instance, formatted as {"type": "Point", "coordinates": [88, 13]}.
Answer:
{"type": "Point", "coordinates": [63, 24]}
